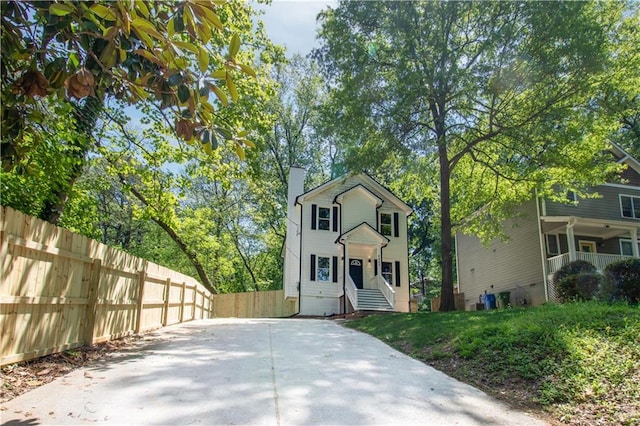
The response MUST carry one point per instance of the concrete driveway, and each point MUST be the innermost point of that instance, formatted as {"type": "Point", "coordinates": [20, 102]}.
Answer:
{"type": "Point", "coordinates": [255, 372]}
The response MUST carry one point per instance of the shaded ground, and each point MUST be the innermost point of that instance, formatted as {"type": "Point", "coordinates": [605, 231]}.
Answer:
{"type": "Point", "coordinates": [16, 379]}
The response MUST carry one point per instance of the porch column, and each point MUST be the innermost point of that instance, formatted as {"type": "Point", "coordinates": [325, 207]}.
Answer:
{"type": "Point", "coordinates": [346, 261]}
{"type": "Point", "coordinates": [571, 241]}
{"type": "Point", "coordinates": [634, 242]}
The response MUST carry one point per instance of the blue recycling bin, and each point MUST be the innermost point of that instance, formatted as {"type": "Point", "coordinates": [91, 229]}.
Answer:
{"type": "Point", "coordinates": [489, 301]}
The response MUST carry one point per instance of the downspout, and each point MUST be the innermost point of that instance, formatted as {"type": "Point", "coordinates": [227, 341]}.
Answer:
{"type": "Point", "coordinates": [344, 261]}
{"type": "Point", "coordinates": [300, 257]}
{"type": "Point", "coordinates": [542, 247]}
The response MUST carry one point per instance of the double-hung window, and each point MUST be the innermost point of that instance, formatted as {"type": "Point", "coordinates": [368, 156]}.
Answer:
{"type": "Point", "coordinates": [324, 218]}
{"type": "Point", "coordinates": [390, 271]}
{"type": "Point", "coordinates": [389, 224]}
{"type": "Point", "coordinates": [630, 206]}
{"type": "Point", "coordinates": [626, 247]}
{"type": "Point", "coordinates": [324, 268]}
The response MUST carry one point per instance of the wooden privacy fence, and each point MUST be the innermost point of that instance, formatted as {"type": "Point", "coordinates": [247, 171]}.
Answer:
{"type": "Point", "coordinates": [60, 290]}
{"type": "Point", "coordinates": [257, 304]}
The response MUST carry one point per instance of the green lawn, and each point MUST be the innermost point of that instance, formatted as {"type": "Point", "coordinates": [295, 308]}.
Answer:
{"type": "Point", "coordinates": [578, 362]}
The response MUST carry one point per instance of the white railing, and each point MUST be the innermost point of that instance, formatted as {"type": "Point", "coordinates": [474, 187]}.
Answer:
{"type": "Point", "coordinates": [352, 292]}
{"type": "Point", "coordinates": [600, 261]}
{"type": "Point", "coordinates": [388, 291]}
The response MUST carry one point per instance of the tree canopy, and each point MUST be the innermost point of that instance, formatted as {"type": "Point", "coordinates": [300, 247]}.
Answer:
{"type": "Point", "coordinates": [492, 99]}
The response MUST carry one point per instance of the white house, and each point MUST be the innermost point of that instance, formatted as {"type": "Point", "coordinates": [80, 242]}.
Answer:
{"type": "Point", "coordinates": [346, 247]}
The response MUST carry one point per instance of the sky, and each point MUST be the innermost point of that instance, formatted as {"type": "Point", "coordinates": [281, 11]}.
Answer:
{"type": "Point", "coordinates": [292, 23]}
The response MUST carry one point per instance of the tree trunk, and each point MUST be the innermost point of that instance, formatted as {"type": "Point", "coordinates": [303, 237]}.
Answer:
{"type": "Point", "coordinates": [447, 301]}
{"type": "Point", "coordinates": [85, 117]}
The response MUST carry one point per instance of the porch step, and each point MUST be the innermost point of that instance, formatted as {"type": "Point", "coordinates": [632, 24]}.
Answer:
{"type": "Point", "coordinates": [372, 300]}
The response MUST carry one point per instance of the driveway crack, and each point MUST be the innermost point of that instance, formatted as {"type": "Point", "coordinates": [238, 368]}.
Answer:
{"type": "Point", "coordinates": [273, 379]}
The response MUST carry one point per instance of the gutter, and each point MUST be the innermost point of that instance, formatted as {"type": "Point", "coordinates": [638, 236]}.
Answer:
{"type": "Point", "coordinates": [542, 247]}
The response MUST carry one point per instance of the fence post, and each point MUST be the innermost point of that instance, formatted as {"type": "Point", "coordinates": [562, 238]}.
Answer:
{"type": "Point", "coordinates": [167, 293]}
{"type": "Point", "coordinates": [142, 277]}
{"type": "Point", "coordinates": [92, 301]}
{"type": "Point", "coordinates": [182, 293]}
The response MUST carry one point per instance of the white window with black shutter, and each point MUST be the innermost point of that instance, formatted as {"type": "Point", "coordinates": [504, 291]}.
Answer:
{"type": "Point", "coordinates": [389, 224]}
{"type": "Point", "coordinates": [324, 218]}
{"type": "Point", "coordinates": [390, 271]}
{"type": "Point", "coordinates": [324, 268]}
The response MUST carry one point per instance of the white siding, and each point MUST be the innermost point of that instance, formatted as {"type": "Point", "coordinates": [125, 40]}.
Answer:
{"type": "Point", "coordinates": [514, 265]}
{"type": "Point", "coordinates": [319, 306]}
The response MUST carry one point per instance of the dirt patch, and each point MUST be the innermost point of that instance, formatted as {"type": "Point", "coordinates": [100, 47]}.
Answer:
{"type": "Point", "coordinates": [16, 379]}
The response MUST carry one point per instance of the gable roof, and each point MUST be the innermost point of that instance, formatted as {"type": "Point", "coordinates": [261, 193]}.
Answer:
{"type": "Point", "coordinates": [625, 157]}
{"type": "Point", "coordinates": [359, 188]}
{"type": "Point", "coordinates": [370, 184]}
{"type": "Point", "coordinates": [364, 228]}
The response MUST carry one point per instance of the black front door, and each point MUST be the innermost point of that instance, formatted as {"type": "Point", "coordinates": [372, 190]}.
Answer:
{"type": "Point", "coordinates": [355, 270]}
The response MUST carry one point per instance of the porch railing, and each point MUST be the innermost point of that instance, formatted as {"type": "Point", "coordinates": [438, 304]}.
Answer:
{"type": "Point", "coordinates": [352, 292]}
{"type": "Point", "coordinates": [386, 289]}
{"type": "Point", "coordinates": [599, 260]}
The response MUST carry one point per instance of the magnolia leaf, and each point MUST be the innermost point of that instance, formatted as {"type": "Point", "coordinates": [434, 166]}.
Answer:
{"type": "Point", "coordinates": [234, 46]}
{"type": "Point", "coordinates": [175, 79]}
{"type": "Point", "coordinates": [207, 148]}
{"type": "Point", "coordinates": [243, 133]}
{"type": "Point", "coordinates": [142, 8]}
{"type": "Point", "coordinates": [220, 74]}
{"type": "Point", "coordinates": [248, 143]}
{"type": "Point", "coordinates": [220, 94]}
{"type": "Point", "coordinates": [60, 9]}
{"type": "Point", "coordinates": [232, 88]}
{"type": "Point", "coordinates": [203, 59]}
{"type": "Point", "coordinates": [104, 12]}
{"type": "Point", "coordinates": [150, 56]}
{"type": "Point", "coordinates": [187, 46]}
{"type": "Point", "coordinates": [240, 152]}
{"type": "Point", "coordinates": [147, 27]}
{"type": "Point", "coordinates": [247, 70]}
{"type": "Point", "coordinates": [183, 93]}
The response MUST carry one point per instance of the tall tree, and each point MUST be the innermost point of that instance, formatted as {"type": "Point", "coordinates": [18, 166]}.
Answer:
{"type": "Point", "coordinates": [494, 93]}
{"type": "Point", "coordinates": [180, 55]}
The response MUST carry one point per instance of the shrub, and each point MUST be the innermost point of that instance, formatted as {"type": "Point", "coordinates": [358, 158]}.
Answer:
{"type": "Point", "coordinates": [582, 286]}
{"type": "Point", "coordinates": [623, 280]}
{"type": "Point", "coordinates": [568, 278]}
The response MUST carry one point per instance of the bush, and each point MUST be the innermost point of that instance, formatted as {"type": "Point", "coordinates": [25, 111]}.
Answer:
{"type": "Point", "coordinates": [575, 280]}
{"type": "Point", "coordinates": [582, 286]}
{"type": "Point", "coordinates": [623, 280]}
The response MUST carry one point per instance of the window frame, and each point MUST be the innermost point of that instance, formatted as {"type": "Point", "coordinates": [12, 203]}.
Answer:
{"type": "Point", "coordinates": [635, 212]}
{"type": "Point", "coordinates": [556, 237]}
{"type": "Point", "coordinates": [383, 225]}
{"type": "Point", "coordinates": [328, 269]}
{"type": "Point", "coordinates": [383, 274]}
{"type": "Point", "coordinates": [627, 241]}
{"type": "Point", "coordinates": [321, 219]}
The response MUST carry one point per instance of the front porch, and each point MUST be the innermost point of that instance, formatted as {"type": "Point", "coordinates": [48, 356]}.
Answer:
{"type": "Point", "coordinates": [599, 260]}
{"type": "Point", "coordinates": [599, 242]}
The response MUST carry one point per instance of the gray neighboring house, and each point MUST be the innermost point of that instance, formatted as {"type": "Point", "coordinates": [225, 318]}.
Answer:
{"type": "Point", "coordinates": [551, 234]}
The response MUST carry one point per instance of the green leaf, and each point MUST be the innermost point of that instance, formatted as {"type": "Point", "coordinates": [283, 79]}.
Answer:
{"type": "Point", "coordinates": [60, 9]}
{"type": "Point", "coordinates": [232, 88]}
{"type": "Point", "coordinates": [247, 70]}
{"type": "Point", "coordinates": [220, 94]}
{"type": "Point", "coordinates": [175, 79]}
{"type": "Point", "coordinates": [234, 46]}
{"type": "Point", "coordinates": [104, 12]}
{"type": "Point", "coordinates": [183, 93]}
{"type": "Point", "coordinates": [220, 74]}
{"type": "Point", "coordinates": [203, 59]}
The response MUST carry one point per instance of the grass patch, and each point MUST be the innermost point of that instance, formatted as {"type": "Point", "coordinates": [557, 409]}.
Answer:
{"type": "Point", "coordinates": [580, 362]}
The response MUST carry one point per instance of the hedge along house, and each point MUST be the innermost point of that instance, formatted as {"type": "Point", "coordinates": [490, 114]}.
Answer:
{"type": "Point", "coordinates": [346, 247]}
{"type": "Point", "coordinates": [550, 235]}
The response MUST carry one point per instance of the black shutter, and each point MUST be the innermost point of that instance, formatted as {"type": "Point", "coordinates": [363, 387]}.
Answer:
{"type": "Point", "coordinates": [335, 269]}
{"type": "Point", "coordinates": [314, 213]}
{"type": "Point", "coordinates": [375, 267]}
{"type": "Point", "coordinates": [313, 267]}
{"type": "Point", "coordinates": [335, 219]}
{"type": "Point", "coordinates": [397, 274]}
{"type": "Point", "coordinates": [396, 229]}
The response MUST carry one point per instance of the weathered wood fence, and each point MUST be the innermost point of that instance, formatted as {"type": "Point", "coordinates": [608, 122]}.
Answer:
{"type": "Point", "coordinates": [60, 290]}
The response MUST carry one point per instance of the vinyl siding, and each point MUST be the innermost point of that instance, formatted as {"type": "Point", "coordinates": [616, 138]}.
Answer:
{"type": "Point", "coordinates": [503, 266]}
{"type": "Point", "coordinates": [607, 207]}
{"type": "Point", "coordinates": [319, 298]}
